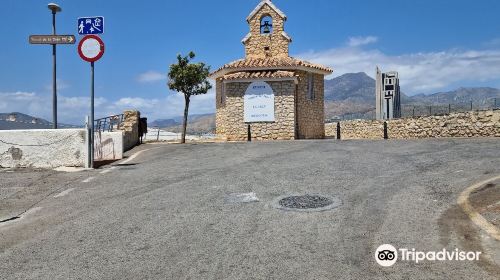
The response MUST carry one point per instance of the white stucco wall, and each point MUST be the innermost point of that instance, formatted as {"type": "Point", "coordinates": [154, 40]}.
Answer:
{"type": "Point", "coordinates": [46, 148]}
{"type": "Point", "coordinates": [108, 146]}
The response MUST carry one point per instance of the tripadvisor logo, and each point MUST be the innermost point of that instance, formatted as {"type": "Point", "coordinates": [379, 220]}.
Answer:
{"type": "Point", "coordinates": [386, 255]}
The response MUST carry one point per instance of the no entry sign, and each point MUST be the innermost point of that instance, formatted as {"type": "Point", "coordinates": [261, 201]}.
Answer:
{"type": "Point", "coordinates": [91, 48]}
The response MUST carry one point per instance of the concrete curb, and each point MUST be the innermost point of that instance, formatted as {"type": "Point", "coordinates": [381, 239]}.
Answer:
{"type": "Point", "coordinates": [478, 219]}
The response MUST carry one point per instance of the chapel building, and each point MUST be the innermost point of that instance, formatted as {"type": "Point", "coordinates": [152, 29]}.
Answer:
{"type": "Point", "coordinates": [269, 95]}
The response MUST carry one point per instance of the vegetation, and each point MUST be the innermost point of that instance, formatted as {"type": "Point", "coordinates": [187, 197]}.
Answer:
{"type": "Point", "coordinates": [190, 79]}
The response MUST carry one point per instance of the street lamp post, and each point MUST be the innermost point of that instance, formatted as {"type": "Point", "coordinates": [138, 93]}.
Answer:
{"type": "Point", "coordinates": [55, 9]}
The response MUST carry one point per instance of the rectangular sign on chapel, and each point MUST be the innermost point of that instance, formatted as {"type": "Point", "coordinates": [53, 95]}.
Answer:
{"type": "Point", "coordinates": [259, 103]}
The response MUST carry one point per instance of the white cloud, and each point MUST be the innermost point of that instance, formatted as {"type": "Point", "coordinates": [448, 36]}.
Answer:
{"type": "Point", "coordinates": [136, 102]}
{"type": "Point", "coordinates": [61, 85]}
{"type": "Point", "coordinates": [360, 41]}
{"type": "Point", "coordinates": [151, 76]}
{"type": "Point", "coordinates": [424, 72]}
{"type": "Point", "coordinates": [72, 110]}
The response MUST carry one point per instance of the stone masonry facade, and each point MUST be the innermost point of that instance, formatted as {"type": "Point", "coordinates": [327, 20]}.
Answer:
{"type": "Point", "coordinates": [298, 85]}
{"type": "Point", "coordinates": [310, 112]}
{"type": "Point", "coordinates": [467, 124]}
{"type": "Point", "coordinates": [268, 45]}
{"type": "Point", "coordinates": [130, 128]}
{"type": "Point", "coordinates": [229, 118]}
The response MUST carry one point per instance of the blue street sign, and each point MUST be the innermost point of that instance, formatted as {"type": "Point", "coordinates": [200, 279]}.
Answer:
{"type": "Point", "coordinates": [90, 25]}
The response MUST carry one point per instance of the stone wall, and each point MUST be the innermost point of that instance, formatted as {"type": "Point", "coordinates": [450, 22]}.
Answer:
{"type": "Point", "coordinates": [310, 113]}
{"type": "Point", "coordinates": [357, 129]}
{"type": "Point", "coordinates": [42, 148]}
{"type": "Point", "coordinates": [130, 128]}
{"type": "Point", "coordinates": [468, 124]}
{"type": "Point", "coordinates": [276, 42]}
{"type": "Point", "coordinates": [230, 123]}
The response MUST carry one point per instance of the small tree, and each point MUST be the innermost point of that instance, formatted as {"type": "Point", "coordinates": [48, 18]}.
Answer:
{"type": "Point", "coordinates": [189, 79]}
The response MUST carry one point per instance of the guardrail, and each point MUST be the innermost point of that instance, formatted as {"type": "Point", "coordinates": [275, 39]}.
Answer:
{"type": "Point", "coordinates": [108, 124]}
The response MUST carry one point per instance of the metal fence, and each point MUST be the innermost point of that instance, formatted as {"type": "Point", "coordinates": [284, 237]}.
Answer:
{"type": "Point", "coordinates": [409, 111]}
{"type": "Point", "coordinates": [108, 124]}
{"type": "Point", "coordinates": [444, 109]}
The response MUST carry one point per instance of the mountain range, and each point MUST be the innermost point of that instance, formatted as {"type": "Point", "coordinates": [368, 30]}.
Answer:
{"type": "Point", "coordinates": [352, 93]}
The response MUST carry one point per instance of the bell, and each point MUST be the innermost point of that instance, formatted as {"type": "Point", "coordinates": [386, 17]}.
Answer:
{"type": "Point", "coordinates": [267, 27]}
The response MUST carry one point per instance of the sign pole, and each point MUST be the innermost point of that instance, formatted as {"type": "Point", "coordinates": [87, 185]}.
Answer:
{"type": "Point", "coordinates": [92, 115]}
{"type": "Point", "coordinates": [91, 49]}
{"type": "Point", "coordinates": [54, 73]}
{"type": "Point", "coordinates": [87, 141]}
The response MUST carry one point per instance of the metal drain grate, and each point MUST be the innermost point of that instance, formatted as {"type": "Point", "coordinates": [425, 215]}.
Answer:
{"type": "Point", "coordinates": [307, 203]}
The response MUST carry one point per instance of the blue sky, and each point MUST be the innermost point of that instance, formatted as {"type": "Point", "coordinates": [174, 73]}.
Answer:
{"type": "Point", "coordinates": [436, 45]}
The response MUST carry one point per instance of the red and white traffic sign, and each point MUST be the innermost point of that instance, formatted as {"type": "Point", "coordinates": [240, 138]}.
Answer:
{"type": "Point", "coordinates": [91, 48]}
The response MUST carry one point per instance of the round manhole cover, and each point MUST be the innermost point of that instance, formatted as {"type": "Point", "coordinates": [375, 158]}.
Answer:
{"type": "Point", "coordinates": [307, 203]}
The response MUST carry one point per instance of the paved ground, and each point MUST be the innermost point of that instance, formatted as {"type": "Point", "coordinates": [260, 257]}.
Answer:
{"type": "Point", "coordinates": [168, 213]}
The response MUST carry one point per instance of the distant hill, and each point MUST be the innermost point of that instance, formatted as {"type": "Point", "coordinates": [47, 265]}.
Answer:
{"type": "Point", "coordinates": [163, 123]}
{"type": "Point", "coordinates": [356, 87]}
{"type": "Point", "coordinates": [16, 121]}
{"type": "Point", "coordinates": [354, 93]}
{"type": "Point", "coordinates": [349, 93]}
{"type": "Point", "coordinates": [479, 95]}
{"type": "Point", "coordinates": [202, 123]}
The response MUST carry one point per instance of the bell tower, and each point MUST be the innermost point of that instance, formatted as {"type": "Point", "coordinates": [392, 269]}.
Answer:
{"type": "Point", "coordinates": [267, 37]}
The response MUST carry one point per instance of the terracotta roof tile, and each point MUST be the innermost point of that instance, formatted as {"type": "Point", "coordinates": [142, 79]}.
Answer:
{"type": "Point", "coordinates": [260, 64]}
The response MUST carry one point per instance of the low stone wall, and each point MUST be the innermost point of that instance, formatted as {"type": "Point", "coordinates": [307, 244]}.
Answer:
{"type": "Point", "coordinates": [357, 129]}
{"type": "Point", "coordinates": [46, 148]}
{"type": "Point", "coordinates": [130, 128]}
{"type": "Point", "coordinates": [467, 124]}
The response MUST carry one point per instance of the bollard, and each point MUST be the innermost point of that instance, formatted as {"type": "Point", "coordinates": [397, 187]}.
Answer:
{"type": "Point", "coordinates": [249, 134]}
{"type": "Point", "coordinates": [338, 130]}
{"type": "Point", "coordinates": [386, 133]}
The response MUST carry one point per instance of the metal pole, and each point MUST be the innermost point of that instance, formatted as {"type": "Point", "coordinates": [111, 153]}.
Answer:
{"type": "Point", "coordinates": [92, 115]}
{"type": "Point", "coordinates": [495, 104]}
{"type": "Point", "coordinates": [388, 110]}
{"type": "Point", "coordinates": [54, 75]}
{"type": "Point", "coordinates": [449, 108]}
{"type": "Point", "coordinates": [471, 105]}
{"type": "Point", "coordinates": [249, 134]}
{"type": "Point", "coordinates": [338, 131]}
{"type": "Point", "coordinates": [87, 141]}
{"type": "Point", "coordinates": [386, 132]}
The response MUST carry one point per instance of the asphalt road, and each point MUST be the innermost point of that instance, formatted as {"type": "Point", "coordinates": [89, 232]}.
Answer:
{"type": "Point", "coordinates": [171, 212]}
